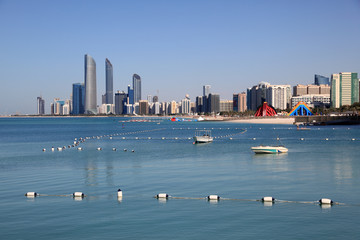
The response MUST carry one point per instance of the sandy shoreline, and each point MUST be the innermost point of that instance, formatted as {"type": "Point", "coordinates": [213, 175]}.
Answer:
{"type": "Point", "coordinates": [265, 120]}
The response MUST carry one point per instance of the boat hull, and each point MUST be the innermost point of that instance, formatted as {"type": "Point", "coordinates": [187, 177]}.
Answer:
{"type": "Point", "coordinates": [269, 150]}
{"type": "Point", "coordinates": [203, 139]}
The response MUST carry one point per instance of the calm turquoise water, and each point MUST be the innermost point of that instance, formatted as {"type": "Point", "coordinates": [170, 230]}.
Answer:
{"type": "Point", "coordinates": [314, 168]}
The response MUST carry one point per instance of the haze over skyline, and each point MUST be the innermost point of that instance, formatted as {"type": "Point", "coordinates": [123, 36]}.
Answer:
{"type": "Point", "coordinates": [175, 46]}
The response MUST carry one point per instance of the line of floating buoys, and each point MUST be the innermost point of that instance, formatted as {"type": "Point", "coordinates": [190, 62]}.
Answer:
{"type": "Point", "coordinates": [266, 200]}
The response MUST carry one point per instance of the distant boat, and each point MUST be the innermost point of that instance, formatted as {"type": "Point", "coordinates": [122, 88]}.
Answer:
{"type": "Point", "coordinates": [269, 149]}
{"type": "Point", "coordinates": [301, 128]}
{"type": "Point", "coordinates": [200, 119]}
{"type": "Point", "coordinates": [203, 136]}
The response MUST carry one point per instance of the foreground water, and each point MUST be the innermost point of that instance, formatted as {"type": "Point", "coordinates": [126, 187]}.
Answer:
{"type": "Point", "coordinates": [165, 161]}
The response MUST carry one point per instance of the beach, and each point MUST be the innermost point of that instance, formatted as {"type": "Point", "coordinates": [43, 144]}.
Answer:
{"type": "Point", "coordinates": [289, 120]}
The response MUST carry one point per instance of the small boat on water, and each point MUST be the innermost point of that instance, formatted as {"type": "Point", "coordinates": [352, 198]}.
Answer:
{"type": "Point", "coordinates": [269, 149]}
{"type": "Point", "coordinates": [203, 136]}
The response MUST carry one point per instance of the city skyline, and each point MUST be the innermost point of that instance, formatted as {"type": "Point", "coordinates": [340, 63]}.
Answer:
{"type": "Point", "coordinates": [176, 47]}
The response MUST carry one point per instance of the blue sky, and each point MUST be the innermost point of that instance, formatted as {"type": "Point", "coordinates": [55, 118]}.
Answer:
{"type": "Point", "coordinates": [175, 46]}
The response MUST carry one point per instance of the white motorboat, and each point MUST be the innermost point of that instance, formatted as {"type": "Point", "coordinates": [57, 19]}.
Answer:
{"type": "Point", "coordinates": [269, 149]}
{"type": "Point", "coordinates": [203, 136]}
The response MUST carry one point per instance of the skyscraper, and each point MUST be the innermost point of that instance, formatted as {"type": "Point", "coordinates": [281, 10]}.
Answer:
{"type": "Point", "coordinates": [239, 102]}
{"type": "Point", "coordinates": [120, 100]}
{"type": "Point", "coordinates": [213, 103]}
{"type": "Point", "coordinates": [90, 85]}
{"type": "Point", "coordinates": [319, 80]}
{"type": "Point", "coordinates": [137, 88]}
{"type": "Point", "coordinates": [344, 89]}
{"type": "Point", "coordinates": [109, 96]}
{"type": "Point", "coordinates": [78, 98]}
{"type": "Point", "coordinates": [206, 90]}
{"type": "Point", "coordinates": [40, 106]}
{"type": "Point", "coordinates": [130, 95]}
{"type": "Point", "coordinates": [279, 96]}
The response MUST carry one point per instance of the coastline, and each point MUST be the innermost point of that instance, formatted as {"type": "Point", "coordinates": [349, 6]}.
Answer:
{"type": "Point", "coordinates": [254, 120]}
{"type": "Point", "coordinates": [288, 120]}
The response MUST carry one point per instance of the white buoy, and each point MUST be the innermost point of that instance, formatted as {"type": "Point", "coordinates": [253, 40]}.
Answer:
{"type": "Point", "coordinates": [44, 149]}
{"type": "Point", "coordinates": [302, 139]}
{"type": "Point", "coordinates": [254, 138]}
{"type": "Point", "coordinates": [125, 150]}
{"type": "Point", "coordinates": [78, 194]}
{"type": "Point", "coordinates": [213, 197]}
{"type": "Point", "coordinates": [80, 148]}
{"type": "Point", "coordinates": [268, 199]}
{"type": "Point", "coordinates": [99, 148]}
{"type": "Point", "coordinates": [31, 194]}
{"type": "Point", "coordinates": [59, 149]}
{"type": "Point", "coordinates": [114, 149]}
{"type": "Point", "coordinates": [52, 149]}
{"type": "Point", "coordinates": [230, 138]}
{"type": "Point", "coordinates": [133, 150]}
{"type": "Point", "coordinates": [119, 193]}
{"type": "Point", "coordinates": [325, 201]}
{"type": "Point", "coordinates": [277, 138]}
{"type": "Point", "coordinates": [353, 139]}
{"type": "Point", "coordinates": [162, 195]}
{"type": "Point", "coordinates": [326, 139]}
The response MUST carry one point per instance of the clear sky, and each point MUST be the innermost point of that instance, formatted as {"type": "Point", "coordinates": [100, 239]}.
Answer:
{"type": "Point", "coordinates": [176, 46]}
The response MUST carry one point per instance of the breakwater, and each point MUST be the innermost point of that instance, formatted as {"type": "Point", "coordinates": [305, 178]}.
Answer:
{"type": "Point", "coordinates": [328, 120]}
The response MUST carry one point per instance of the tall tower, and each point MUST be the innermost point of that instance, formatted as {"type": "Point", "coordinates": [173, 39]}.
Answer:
{"type": "Point", "coordinates": [137, 87]}
{"type": "Point", "coordinates": [90, 85]}
{"type": "Point", "coordinates": [109, 96]}
{"type": "Point", "coordinates": [344, 89]}
{"type": "Point", "coordinates": [206, 90]}
{"type": "Point", "coordinates": [40, 106]}
{"type": "Point", "coordinates": [78, 98]}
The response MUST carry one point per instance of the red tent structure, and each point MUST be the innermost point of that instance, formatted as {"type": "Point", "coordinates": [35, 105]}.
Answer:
{"type": "Point", "coordinates": [265, 110]}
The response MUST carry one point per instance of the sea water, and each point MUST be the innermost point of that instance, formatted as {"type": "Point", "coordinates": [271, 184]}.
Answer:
{"type": "Point", "coordinates": [322, 162]}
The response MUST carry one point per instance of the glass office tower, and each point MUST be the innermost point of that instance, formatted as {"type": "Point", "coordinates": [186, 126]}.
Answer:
{"type": "Point", "coordinates": [137, 88]}
{"type": "Point", "coordinates": [319, 80]}
{"type": "Point", "coordinates": [109, 99]}
{"type": "Point", "coordinates": [90, 85]}
{"type": "Point", "coordinates": [78, 98]}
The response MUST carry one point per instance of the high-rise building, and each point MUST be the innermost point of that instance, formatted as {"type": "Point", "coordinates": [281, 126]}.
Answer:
{"type": "Point", "coordinates": [186, 105]}
{"type": "Point", "coordinates": [172, 107]}
{"type": "Point", "coordinates": [130, 95]}
{"type": "Point", "coordinates": [143, 107]}
{"type": "Point", "coordinates": [344, 89]}
{"type": "Point", "coordinates": [214, 103]}
{"type": "Point", "coordinates": [109, 96]}
{"type": "Point", "coordinates": [40, 106]}
{"type": "Point", "coordinates": [120, 100]}
{"type": "Point", "coordinates": [90, 85]}
{"type": "Point", "coordinates": [226, 105]}
{"type": "Point", "coordinates": [321, 80]}
{"type": "Point", "coordinates": [257, 95]}
{"type": "Point", "coordinates": [200, 104]}
{"type": "Point", "coordinates": [206, 90]}
{"type": "Point", "coordinates": [78, 98]}
{"type": "Point", "coordinates": [137, 87]}
{"type": "Point", "coordinates": [149, 98]}
{"type": "Point", "coordinates": [279, 96]}
{"type": "Point", "coordinates": [239, 102]}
